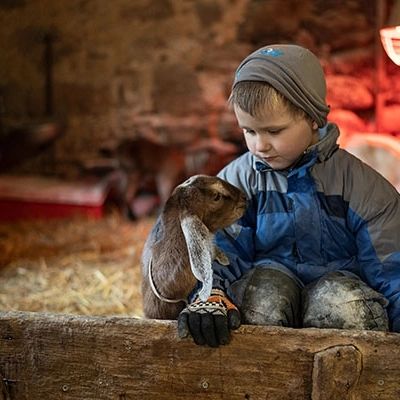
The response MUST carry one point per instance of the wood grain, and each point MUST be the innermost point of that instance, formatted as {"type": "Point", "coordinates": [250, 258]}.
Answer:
{"type": "Point", "coordinates": [55, 356]}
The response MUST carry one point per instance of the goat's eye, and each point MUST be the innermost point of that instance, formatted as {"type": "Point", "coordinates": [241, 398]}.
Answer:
{"type": "Point", "coordinates": [217, 196]}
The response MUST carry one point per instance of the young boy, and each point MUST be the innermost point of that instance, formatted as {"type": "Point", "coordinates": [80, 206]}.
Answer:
{"type": "Point", "coordinates": [319, 245]}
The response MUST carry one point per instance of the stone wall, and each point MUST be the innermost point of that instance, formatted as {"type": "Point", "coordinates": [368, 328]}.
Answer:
{"type": "Point", "coordinates": [163, 68]}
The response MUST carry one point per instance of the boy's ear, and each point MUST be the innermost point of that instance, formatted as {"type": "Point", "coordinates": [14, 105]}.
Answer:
{"type": "Point", "coordinates": [314, 125]}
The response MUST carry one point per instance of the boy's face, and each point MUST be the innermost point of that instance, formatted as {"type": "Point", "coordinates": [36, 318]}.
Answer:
{"type": "Point", "coordinates": [276, 136]}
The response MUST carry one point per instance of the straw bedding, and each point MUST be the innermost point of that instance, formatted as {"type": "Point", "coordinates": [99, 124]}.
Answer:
{"type": "Point", "coordinates": [74, 266]}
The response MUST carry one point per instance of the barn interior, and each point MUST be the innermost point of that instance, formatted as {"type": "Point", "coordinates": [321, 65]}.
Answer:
{"type": "Point", "coordinates": [106, 106]}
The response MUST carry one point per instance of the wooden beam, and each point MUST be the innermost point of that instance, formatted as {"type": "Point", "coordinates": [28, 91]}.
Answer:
{"type": "Point", "coordinates": [53, 356]}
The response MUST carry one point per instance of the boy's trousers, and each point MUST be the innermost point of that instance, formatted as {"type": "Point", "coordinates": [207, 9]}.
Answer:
{"type": "Point", "coordinates": [270, 296]}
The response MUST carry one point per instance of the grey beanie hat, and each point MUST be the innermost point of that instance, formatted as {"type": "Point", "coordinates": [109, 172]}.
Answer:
{"type": "Point", "coordinates": [293, 71]}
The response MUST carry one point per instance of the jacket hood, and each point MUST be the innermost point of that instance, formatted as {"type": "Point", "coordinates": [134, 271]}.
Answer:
{"type": "Point", "coordinates": [327, 144]}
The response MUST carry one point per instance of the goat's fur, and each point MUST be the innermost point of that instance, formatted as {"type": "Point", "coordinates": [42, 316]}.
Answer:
{"type": "Point", "coordinates": [180, 245]}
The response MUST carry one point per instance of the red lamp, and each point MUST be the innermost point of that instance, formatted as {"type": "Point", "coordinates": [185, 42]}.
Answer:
{"type": "Point", "coordinates": [390, 38]}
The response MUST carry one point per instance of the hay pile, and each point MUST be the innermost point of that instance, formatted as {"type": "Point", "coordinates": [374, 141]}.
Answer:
{"type": "Point", "coordinates": [75, 266]}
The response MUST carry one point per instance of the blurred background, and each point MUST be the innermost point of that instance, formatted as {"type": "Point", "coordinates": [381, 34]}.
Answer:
{"type": "Point", "coordinates": [106, 106]}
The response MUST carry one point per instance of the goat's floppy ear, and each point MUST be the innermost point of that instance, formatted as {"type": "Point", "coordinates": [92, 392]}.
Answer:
{"type": "Point", "coordinates": [199, 244]}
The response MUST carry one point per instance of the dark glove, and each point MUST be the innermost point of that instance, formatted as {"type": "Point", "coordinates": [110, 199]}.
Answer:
{"type": "Point", "coordinates": [209, 322]}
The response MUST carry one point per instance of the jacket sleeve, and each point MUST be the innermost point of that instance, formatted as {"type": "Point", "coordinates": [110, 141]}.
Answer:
{"type": "Point", "coordinates": [236, 241]}
{"type": "Point", "coordinates": [375, 219]}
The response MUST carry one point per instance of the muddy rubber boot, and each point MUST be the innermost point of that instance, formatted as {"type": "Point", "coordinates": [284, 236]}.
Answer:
{"type": "Point", "coordinates": [270, 297]}
{"type": "Point", "coordinates": [343, 301]}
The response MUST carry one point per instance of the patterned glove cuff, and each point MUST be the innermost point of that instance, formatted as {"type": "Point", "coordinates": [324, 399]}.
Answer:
{"type": "Point", "coordinates": [217, 292]}
{"type": "Point", "coordinates": [214, 307]}
{"type": "Point", "coordinates": [217, 298]}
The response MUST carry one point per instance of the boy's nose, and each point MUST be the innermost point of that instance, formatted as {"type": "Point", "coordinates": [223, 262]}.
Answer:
{"type": "Point", "coordinates": [262, 144]}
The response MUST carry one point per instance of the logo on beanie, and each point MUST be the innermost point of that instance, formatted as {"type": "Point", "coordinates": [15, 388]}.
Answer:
{"type": "Point", "coordinates": [271, 52]}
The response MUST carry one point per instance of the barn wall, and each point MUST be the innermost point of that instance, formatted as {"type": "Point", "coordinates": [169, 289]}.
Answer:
{"type": "Point", "coordinates": [163, 68]}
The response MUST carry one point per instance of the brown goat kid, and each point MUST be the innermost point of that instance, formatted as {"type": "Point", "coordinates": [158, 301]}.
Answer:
{"type": "Point", "coordinates": [180, 250]}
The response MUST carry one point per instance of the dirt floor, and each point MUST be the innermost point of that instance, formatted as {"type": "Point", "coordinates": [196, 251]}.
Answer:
{"type": "Point", "coordinates": [76, 266]}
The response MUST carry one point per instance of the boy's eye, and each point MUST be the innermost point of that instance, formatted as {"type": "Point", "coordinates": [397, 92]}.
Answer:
{"type": "Point", "coordinates": [274, 131]}
{"type": "Point", "coordinates": [248, 131]}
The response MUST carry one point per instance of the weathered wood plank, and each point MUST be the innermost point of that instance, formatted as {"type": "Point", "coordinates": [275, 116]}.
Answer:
{"type": "Point", "coordinates": [48, 356]}
{"type": "Point", "coordinates": [336, 373]}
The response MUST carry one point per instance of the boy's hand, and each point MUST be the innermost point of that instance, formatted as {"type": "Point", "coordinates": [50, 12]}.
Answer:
{"type": "Point", "coordinates": [209, 322]}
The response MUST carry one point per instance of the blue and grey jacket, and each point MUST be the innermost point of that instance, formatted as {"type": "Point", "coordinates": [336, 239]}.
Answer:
{"type": "Point", "coordinates": [330, 212]}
